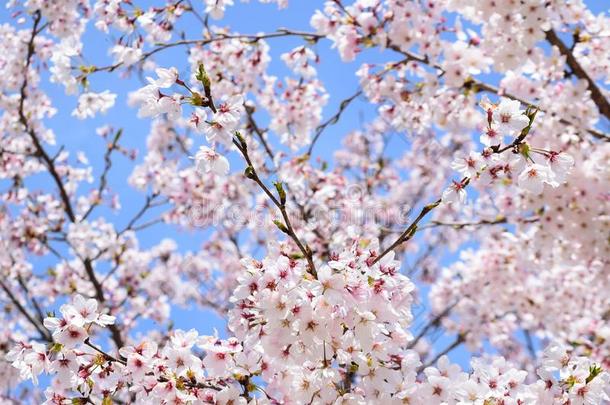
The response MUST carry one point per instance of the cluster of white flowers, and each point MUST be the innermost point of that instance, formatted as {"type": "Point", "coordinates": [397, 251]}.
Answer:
{"type": "Point", "coordinates": [316, 338]}
{"type": "Point", "coordinates": [223, 123]}
{"type": "Point", "coordinates": [338, 335]}
{"type": "Point", "coordinates": [69, 331]}
{"type": "Point", "coordinates": [532, 167]}
{"type": "Point", "coordinates": [153, 102]}
{"type": "Point", "coordinates": [91, 103]}
{"type": "Point", "coordinates": [305, 273]}
{"type": "Point", "coordinates": [218, 129]}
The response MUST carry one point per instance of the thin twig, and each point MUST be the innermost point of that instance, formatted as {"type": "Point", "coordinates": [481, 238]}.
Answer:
{"type": "Point", "coordinates": [280, 204]}
{"type": "Point", "coordinates": [458, 341]}
{"type": "Point", "coordinates": [107, 165]}
{"type": "Point", "coordinates": [44, 332]}
{"type": "Point", "coordinates": [434, 322]}
{"type": "Point", "coordinates": [410, 231]}
{"type": "Point", "coordinates": [332, 120]}
{"type": "Point", "coordinates": [149, 203]}
{"type": "Point", "coordinates": [253, 38]}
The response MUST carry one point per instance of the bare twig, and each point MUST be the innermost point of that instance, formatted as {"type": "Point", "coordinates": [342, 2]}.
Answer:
{"type": "Point", "coordinates": [44, 332]}
{"type": "Point", "coordinates": [332, 120]}
{"type": "Point", "coordinates": [253, 38]}
{"type": "Point", "coordinates": [259, 132]}
{"type": "Point", "coordinates": [498, 220]}
{"type": "Point", "coordinates": [107, 165]}
{"type": "Point", "coordinates": [434, 322]}
{"type": "Point", "coordinates": [458, 341]}
{"type": "Point", "coordinates": [106, 355]}
{"type": "Point", "coordinates": [280, 204]}
{"type": "Point", "coordinates": [29, 296]}
{"type": "Point", "coordinates": [148, 204]}
{"type": "Point", "coordinates": [410, 231]}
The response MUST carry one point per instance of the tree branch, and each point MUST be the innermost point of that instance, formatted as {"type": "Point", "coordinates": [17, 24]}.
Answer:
{"type": "Point", "coordinates": [107, 165]}
{"type": "Point", "coordinates": [253, 38]}
{"type": "Point", "coordinates": [332, 120]}
{"type": "Point", "coordinates": [49, 163]}
{"type": "Point", "coordinates": [596, 94]}
{"type": "Point", "coordinates": [280, 204]}
{"type": "Point", "coordinates": [458, 341]}
{"type": "Point", "coordinates": [44, 333]}
{"type": "Point", "coordinates": [433, 323]}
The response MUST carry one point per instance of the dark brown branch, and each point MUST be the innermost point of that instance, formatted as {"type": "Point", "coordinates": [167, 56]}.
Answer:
{"type": "Point", "coordinates": [596, 94]}
{"type": "Point", "coordinates": [103, 178]}
{"type": "Point", "coordinates": [410, 231]}
{"type": "Point", "coordinates": [29, 296]}
{"type": "Point", "coordinates": [49, 163]}
{"type": "Point", "coordinates": [458, 341]}
{"type": "Point", "coordinates": [106, 355]}
{"type": "Point", "coordinates": [280, 204]}
{"type": "Point", "coordinates": [305, 215]}
{"type": "Point", "coordinates": [332, 120]}
{"type": "Point", "coordinates": [44, 332]}
{"type": "Point", "coordinates": [40, 151]}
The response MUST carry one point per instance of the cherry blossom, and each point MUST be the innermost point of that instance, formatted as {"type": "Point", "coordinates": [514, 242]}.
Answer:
{"type": "Point", "coordinates": [560, 165]}
{"type": "Point", "coordinates": [415, 209]}
{"type": "Point", "coordinates": [508, 117]}
{"type": "Point", "coordinates": [455, 193]}
{"type": "Point", "coordinates": [90, 104]}
{"type": "Point", "coordinates": [533, 178]}
{"type": "Point", "coordinates": [229, 112]}
{"type": "Point", "coordinates": [166, 77]}
{"type": "Point", "coordinates": [126, 55]}
{"type": "Point", "coordinates": [208, 160]}
{"type": "Point", "coordinates": [468, 165]}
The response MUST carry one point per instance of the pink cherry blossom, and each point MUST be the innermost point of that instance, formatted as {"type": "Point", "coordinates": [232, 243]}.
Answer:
{"type": "Point", "coordinates": [533, 177]}
{"type": "Point", "coordinates": [509, 118]}
{"type": "Point", "coordinates": [207, 160]}
{"type": "Point", "coordinates": [90, 104]}
{"type": "Point", "coordinates": [411, 183]}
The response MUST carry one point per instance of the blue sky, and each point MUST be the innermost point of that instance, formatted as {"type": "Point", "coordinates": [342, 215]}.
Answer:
{"type": "Point", "coordinates": [251, 18]}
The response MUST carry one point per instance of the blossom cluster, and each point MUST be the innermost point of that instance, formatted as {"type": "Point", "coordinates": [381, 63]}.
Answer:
{"type": "Point", "coordinates": [507, 119]}
{"type": "Point", "coordinates": [451, 205]}
{"type": "Point", "coordinates": [339, 336]}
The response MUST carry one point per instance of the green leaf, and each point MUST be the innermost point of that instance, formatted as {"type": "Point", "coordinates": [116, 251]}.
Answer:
{"type": "Point", "coordinates": [280, 226]}
{"type": "Point", "coordinates": [594, 371]}
{"type": "Point", "coordinates": [241, 139]}
{"type": "Point", "coordinates": [249, 172]}
{"type": "Point", "coordinates": [203, 77]}
{"type": "Point", "coordinates": [280, 191]}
